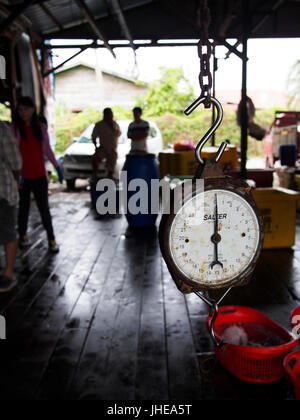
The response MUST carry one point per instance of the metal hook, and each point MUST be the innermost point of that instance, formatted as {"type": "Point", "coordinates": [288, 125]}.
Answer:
{"type": "Point", "coordinates": [215, 307]}
{"type": "Point", "coordinates": [215, 310]}
{"type": "Point", "coordinates": [213, 128]}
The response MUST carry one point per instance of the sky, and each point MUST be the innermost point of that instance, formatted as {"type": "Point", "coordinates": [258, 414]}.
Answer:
{"type": "Point", "coordinates": [269, 63]}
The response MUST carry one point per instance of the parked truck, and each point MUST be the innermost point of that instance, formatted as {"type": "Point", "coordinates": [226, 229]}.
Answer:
{"type": "Point", "coordinates": [284, 130]}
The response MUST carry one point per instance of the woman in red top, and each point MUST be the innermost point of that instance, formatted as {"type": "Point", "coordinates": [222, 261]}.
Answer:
{"type": "Point", "coordinates": [34, 145]}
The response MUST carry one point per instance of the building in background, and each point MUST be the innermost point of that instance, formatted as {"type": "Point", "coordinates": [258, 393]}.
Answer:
{"type": "Point", "coordinates": [81, 86]}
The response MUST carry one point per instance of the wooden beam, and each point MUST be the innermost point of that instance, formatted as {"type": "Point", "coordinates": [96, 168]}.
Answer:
{"type": "Point", "coordinates": [144, 45]}
{"type": "Point", "coordinates": [255, 28]}
{"type": "Point", "coordinates": [93, 24]}
{"type": "Point", "coordinates": [232, 48]}
{"type": "Point", "coordinates": [267, 16]}
{"type": "Point", "coordinates": [67, 60]}
{"type": "Point", "coordinates": [236, 45]}
{"type": "Point", "coordinates": [22, 24]}
{"type": "Point", "coordinates": [48, 12]}
{"type": "Point", "coordinates": [117, 10]}
{"type": "Point", "coordinates": [18, 10]}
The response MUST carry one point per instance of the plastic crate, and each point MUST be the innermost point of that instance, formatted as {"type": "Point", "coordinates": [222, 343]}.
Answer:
{"type": "Point", "coordinates": [262, 177]}
{"type": "Point", "coordinates": [185, 163]}
{"type": "Point", "coordinates": [229, 159]}
{"type": "Point", "coordinates": [168, 163]}
{"type": "Point", "coordinates": [278, 208]}
{"type": "Point", "coordinates": [284, 136]}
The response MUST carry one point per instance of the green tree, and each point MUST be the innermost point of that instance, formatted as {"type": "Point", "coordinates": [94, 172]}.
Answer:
{"type": "Point", "coordinates": [171, 93]}
{"type": "Point", "coordinates": [293, 85]}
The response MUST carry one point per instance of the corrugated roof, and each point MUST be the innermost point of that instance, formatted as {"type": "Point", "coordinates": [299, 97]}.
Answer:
{"type": "Point", "coordinates": [163, 19]}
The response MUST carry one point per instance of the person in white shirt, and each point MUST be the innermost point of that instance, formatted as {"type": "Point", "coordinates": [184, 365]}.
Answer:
{"type": "Point", "coordinates": [138, 132]}
{"type": "Point", "coordinates": [108, 132]}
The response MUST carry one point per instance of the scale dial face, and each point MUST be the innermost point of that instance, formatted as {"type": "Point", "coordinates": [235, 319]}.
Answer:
{"type": "Point", "coordinates": [216, 243]}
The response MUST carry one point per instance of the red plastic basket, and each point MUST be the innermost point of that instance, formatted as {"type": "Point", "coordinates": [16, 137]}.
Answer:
{"type": "Point", "coordinates": [253, 363]}
{"type": "Point", "coordinates": [292, 369]}
{"type": "Point", "coordinates": [295, 321]}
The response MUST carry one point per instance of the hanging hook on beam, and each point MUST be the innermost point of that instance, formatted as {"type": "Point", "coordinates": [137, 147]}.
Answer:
{"type": "Point", "coordinates": [212, 129]}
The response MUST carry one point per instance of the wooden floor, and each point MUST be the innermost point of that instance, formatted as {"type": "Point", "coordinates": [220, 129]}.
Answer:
{"type": "Point", "coordinates": [103, 319]}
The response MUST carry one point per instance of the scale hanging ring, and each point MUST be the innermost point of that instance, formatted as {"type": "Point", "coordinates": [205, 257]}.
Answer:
{"type": "Point", "coordinates": [213, 128]}
{"type": "Point", "coordinates": [215, 308]}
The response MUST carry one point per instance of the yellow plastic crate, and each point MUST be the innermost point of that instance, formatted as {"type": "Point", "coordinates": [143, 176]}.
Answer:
{"type": "Point", "coordinates": [186, 163]}
{"type": "Point", "coordinates": [297, 182]}
{"type": "Point", "coordinates": [177, 163]}
{"type": "Point", "coordinates": [229, 159]}
{"type": "Point", "coordinates": [278, 211]}
{"type": "Point", "coordinates": [168, 163]}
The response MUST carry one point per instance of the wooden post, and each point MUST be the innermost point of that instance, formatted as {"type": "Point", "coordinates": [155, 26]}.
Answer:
{"type": "Point", "coordinates": [13, 78]}
{"type": "Point", "coordinates": [39, 74]}
{"type": "Point", "coordinates": [42, 71]}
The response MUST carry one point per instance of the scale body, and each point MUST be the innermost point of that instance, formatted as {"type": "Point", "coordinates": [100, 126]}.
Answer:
{"type": "Point", "coordinates": [214, 240]}
{"type": "Point", "coordinates": [213, 234]}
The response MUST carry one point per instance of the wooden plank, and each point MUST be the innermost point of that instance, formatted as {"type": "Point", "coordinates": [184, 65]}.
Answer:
{"type": "Point", "coordinates": [45, 283]}
{"type": "Point", "coordinates": [92, 367]}
{"type": "Point", "coordinates": [103, 319]}
{"type": "Point", "coordinates": [32, 280]}
{"type": "Point", "coordinates": [118, 381]}
{"type": "Point", "coordinates": [152, 375]}
{"type": "Point", "coordinates": [39, 335]}
{"type": "Point", "coordinates": [95, 351]}
{"type": "Point", "coordinates": [68, 350]}
{"type": "Point", "coordinates": [184, 374]}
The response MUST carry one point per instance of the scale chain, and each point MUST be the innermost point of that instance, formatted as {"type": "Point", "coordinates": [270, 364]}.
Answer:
{"type": "Point", "coordinates": [204, 53]}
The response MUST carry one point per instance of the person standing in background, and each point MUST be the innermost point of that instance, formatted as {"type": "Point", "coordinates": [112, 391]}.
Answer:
{"type": "Point", "coordinates": [138, 132]}
{"type": "Point", "coordinates": [34, 144]}
{"type": "Point", "coordinates": [108, 132]}
{"type": "Point", "coordinates": [10, 170]}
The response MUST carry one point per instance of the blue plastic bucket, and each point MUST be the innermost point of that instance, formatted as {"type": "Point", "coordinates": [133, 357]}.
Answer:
{"type": "Point", "coordinates": [288, 155]}
{"type": "Point", "coordinates": [145, 167]}
{"type": "Point", "coordinates": [95, 194]}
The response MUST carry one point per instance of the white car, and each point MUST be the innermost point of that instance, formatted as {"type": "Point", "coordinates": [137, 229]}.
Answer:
{"type": "Point", "coordinates": [77, 159]}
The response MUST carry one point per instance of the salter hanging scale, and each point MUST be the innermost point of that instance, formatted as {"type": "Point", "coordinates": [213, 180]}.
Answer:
{"type": "Point", "coordinates": [212, 236]}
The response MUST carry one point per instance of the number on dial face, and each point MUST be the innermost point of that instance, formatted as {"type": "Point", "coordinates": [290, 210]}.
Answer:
{"type": "Point", "coordinates": [194, 231]}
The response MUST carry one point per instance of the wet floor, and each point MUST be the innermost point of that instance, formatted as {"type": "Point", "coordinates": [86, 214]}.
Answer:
{"type": "Point", "coordinates": [103, 319]}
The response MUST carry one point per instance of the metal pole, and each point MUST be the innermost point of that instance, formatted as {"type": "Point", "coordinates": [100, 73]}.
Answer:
{"type": "Point", "coordinates": [244, 116]}
{"type": "Point", "coordinates": [67, 60]}
{"type": "Point", "coordinates": [215, 68]}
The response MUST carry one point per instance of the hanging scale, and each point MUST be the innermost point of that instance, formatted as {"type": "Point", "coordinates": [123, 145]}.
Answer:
{"type": "Point", "coordinates": [212, 240]}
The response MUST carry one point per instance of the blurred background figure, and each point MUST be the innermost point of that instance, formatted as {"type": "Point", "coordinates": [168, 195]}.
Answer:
{"type": "Point", "coordinates": [108, 132]}
{"type": "Point", "coordinates": [10, 170]}
{"type": "Point", "coordinates": [138, 132]}
{"type": "Point", "coordinates": [34, 144]}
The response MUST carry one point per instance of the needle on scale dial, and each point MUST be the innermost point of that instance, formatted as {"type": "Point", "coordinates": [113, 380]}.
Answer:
{"type": "Point", "coordinates": [216, 237]}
